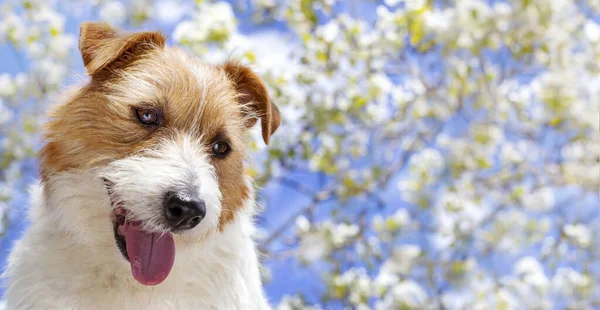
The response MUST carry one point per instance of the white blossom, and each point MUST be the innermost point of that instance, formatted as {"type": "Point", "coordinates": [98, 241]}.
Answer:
{"type": "Point", "coordinates": [7, 86]}
{"type": "Point", "coordinates": [541, 200]}
{"type": "Point", "coordinates": [414, 5]}
{"type": "Point", "coordinates": [409, 293]}
{"type": "Point", "coordinates": [303, 224]}
{"type": "Point", "coordinates": [568, 281]}
{"type": "Point", "coordinates": [329, 32]}
{"type": "Point", "coordinates": [5, 113]}
{"type": "Point", "coordinates": [113, 12]}
{"type": "Point", "coordinates": [61, 44]}
{"type": "Point", "coordinates": [531, 272]}
{"type": "Point", "coordinates": [579, 233]}
{"type": "Point", "coordinates": [592, 31]}
{"type": "Point", "coordinates": [313, 247]}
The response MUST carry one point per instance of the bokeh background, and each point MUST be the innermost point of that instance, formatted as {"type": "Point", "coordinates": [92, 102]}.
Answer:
{"type": "Point", "coordinates": [434, 154]}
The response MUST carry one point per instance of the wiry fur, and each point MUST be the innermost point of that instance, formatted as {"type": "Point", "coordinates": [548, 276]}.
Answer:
{"type": "Point", "coordinates": [181, 166]}
{"type": "Point", "coordinates": [67, 258]}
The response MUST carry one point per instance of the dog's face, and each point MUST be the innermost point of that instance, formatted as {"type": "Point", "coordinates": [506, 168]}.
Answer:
{"type": "Point", "coordinates": [166, 134]}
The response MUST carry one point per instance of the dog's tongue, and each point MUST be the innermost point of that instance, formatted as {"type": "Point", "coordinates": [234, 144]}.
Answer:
{"type": "Point", "coordinates": [151, 254]}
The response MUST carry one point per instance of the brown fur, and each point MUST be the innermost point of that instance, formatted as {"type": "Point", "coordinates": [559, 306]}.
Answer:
{"type": "Point", "coordinates": [97, 125]}
{"type": "Point", "coordinates": [100, 45]}
{"type": "Point", "coordinates": [251, 89]}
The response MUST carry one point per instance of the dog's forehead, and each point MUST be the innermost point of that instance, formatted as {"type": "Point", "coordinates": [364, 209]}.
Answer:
{"type": "Point", "coordinates": [189, 92]}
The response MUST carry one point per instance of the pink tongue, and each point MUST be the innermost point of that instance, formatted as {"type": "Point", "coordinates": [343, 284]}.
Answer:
{"type": "Point", "coordinates": [151, 254]}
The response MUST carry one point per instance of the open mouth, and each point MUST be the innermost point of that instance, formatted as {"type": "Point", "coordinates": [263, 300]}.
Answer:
{"type": "Point", "coordinates": [150, 254]}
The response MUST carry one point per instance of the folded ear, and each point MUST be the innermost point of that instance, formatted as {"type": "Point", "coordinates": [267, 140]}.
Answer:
{"type": "Point", "coordinates": [101, 46]}
{"type": "Point", "coordinates": [253, 93]}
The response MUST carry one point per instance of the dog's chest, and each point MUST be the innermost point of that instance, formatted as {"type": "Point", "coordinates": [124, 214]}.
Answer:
{"type": "Point", "coordinates": [182, 290]}
{"type": "Point", "coordinates": [159, 299]}
{"type": "Point", "coordinates": [203, 284]}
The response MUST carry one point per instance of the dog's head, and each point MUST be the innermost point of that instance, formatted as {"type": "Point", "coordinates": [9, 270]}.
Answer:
{"type": "Point", "coordinates": [166, 135]}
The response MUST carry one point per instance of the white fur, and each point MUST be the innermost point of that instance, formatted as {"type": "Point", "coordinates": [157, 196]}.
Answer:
{"type": "Point", "coordinates": [182, 166]}
{"type": "Point", "coordinates": [68, 258]}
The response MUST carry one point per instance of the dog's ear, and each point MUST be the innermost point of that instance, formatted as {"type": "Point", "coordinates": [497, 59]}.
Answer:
{"type": "Point", "coordinates": [101, 46]}
{"type": "Point", "coordinates": [253, 94]}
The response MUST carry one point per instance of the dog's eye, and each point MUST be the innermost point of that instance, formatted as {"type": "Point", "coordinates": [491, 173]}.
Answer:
{"type": "Point", "coordinates": [220, 149]}
{"type": "Point", "coordinates": [148, 116]}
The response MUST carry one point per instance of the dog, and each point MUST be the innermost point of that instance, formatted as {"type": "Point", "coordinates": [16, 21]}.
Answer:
{"type": "Point", "coordinates": [143, 201]}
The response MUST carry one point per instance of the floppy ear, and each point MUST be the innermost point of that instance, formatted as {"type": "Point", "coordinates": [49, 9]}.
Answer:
{"type": "Point", "coordinates": [252, 92]}
{"type": "Point", "coordinates": [101, 46]}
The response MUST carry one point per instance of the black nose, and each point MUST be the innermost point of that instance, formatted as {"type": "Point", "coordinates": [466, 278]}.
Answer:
{"type": "Point", "coordinates": [182, 214]}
